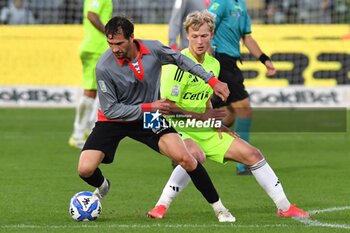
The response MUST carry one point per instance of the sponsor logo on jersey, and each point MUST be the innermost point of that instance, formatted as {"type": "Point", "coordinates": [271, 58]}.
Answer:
{"type": "Point", "coordinates": [194, 78]}
{"type": "Point", "coordinates": [196, 96]}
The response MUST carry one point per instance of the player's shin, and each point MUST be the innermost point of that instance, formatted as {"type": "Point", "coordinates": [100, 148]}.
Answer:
{"type": "Point", "coordinates": [203, 183]}
{"type": "Point", "coordinates": [268, 180]}
{"type": "Point", "coordinates": [176, 183]}
{"type": "Point", "coordinates": [96, 179]}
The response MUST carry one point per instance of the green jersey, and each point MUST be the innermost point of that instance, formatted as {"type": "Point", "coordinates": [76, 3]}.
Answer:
{"type": "Point", "coordinates": [188, 91]}
{"type": "Point", "coordinates": [94, 40]}
{"type": "Point", "coordinates": [191, 93]}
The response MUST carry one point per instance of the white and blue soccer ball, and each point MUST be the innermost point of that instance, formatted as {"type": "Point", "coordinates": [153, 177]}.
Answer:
{"type": "Point", "coordinates": [84, 206]}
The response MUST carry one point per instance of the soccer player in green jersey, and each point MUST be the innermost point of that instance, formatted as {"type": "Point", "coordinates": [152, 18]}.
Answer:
{"type": "Point", "coordinates": [190, 96]}
{"type": "Point", "coordinates": [96, 15]}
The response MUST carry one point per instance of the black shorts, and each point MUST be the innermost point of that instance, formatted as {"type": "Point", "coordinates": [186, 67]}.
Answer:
{"type": "Point", "coordinates": [232, 75]}
{"type": "Point", "coordinates": [106, 136]}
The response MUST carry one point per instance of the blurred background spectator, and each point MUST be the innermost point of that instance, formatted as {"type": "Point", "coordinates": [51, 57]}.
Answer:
{"type": "Point", "coordinates": [71, 11]}
{"type": "Point", "coordinates": [280, 12]}
{"type": "Point", "coordinates": [16, 13]}
{"type": "Point", "coordinates": [303, 11]}
{"type": "Point", "coordinates": [315, 11]}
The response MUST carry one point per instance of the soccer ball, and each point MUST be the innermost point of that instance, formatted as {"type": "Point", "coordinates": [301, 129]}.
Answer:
{"type": "Point", "coordinates": [84, 206]}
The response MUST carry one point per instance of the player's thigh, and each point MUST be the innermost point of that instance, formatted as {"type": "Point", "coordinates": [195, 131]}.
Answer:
{"type": "Point", "coordinates": [149, 137]}
{"type": "Point", "coordinates": [195, 150]}
{"type": "Point", "coordinates": [243, 152]}
{"type": "Point", "coordinates": [172, 145]}
{"type": "Point", "coordinates": [214, 145]}
{"type": "Point", "coordinates": [105, 137]}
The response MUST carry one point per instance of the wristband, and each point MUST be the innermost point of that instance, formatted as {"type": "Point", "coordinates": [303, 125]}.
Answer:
{"type": "Point", "coordinates": [174, 47]}
{"type": "Point", "coordinates": [263, 58]}
{"type": "Point", "coordinates": [146, 107]}
{"type": "Point", "coordinates": [212, 81]}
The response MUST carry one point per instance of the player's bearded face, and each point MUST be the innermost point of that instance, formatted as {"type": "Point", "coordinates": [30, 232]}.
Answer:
{"type": "Point", "coordinates": [199, 40]}
{"type": "Point", "coordinates": [119, 45]}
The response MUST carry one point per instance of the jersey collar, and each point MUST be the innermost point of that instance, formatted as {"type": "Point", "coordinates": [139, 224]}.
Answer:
{"type": "Point", "coordinates": [143, 50]}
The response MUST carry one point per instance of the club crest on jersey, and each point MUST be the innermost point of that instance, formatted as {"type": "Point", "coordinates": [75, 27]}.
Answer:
{"type": "Point", "coordinates": [95, 4]}
{"type": "Point", "coordinates": [175, 91]}
{"type": "Point", "coordinates": [102, 85]}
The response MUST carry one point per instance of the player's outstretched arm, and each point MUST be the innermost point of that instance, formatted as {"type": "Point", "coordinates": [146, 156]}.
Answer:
{"type": "Point", "coordinates": [254, 49]}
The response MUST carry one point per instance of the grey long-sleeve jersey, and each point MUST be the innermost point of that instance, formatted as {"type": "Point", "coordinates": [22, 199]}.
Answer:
{"type": "Point", "coordinates": [123, 91]}
{"type": "Point", "coordinates": [179, 13]}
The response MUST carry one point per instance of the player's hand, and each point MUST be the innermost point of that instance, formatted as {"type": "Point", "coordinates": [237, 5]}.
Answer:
{"type": "Point", "coordinates": [226, 130]}
{"type": "Point", "coordinates": [221, 90]}
{"type": "Point", "coordinates": [271, 70]}
{"type": "Point", "coordinates": [170, 103]}
{"type": "Point", "coordinates": [213, 113]}
{"type": "Point", "coordinates": [162, 105]}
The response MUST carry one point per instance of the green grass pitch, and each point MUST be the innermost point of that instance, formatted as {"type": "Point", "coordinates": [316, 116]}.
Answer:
{"type": "Point", "coordinates": [38, 177]}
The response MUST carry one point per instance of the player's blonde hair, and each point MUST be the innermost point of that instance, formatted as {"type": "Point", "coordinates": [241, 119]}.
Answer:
{"type": "Point", "coordinates": [196, 19]}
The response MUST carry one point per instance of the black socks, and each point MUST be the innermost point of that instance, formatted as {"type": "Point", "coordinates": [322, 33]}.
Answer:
{"type": "Point", "coordinates": [96, 179]}
{"type": "Point", "coordinates": [203, 183]}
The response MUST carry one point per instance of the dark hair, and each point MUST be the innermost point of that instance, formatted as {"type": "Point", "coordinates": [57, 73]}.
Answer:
{"type": "Point", "coordinates": [119, 25]}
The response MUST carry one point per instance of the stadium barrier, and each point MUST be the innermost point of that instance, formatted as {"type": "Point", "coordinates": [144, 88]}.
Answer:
{"type": "Point", "coordinates": [40, 65]}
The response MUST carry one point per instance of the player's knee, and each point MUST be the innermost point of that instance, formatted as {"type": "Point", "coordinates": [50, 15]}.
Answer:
{"type": "Point", "coordinates": [254, 157]}
{"type": "Point", "coordinates": [187, 162]}
{"type": "Point", "coordinates": [199, 155]}
{"type": "Point", "coordinates": [85, 171]}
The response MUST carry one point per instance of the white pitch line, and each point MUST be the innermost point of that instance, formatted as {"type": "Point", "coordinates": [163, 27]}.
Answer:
{"type": "Point", "coordinates": [333, 209]}
{"type": "Point", "coordinates": [228, 225]}
{"type": "Point", "coordinates": [306, 221]}
{"type": "Point", "coordinates": [315, 223]}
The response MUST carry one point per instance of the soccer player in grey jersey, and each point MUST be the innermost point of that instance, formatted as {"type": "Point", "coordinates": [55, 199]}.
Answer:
{"type": "Point", "coordinates": [128, 76]}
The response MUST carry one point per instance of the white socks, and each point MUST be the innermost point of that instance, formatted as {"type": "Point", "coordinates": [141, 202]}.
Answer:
{"type": "Point", "coordinates": [268, 180]}
{"type": "Point", "coordinates": [82, 116]}
{"type": "Point", "coordinates": [178, 180]}
{"type": "Point", "coordinates": [262, 172]}
{"type": "Point", "coordinates": [218, 207]}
